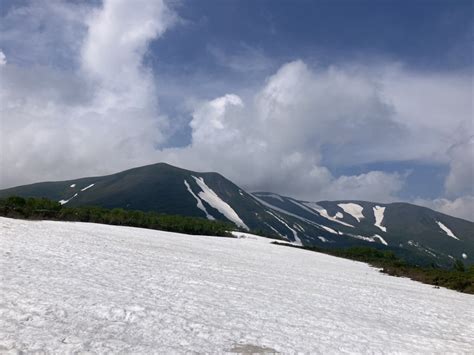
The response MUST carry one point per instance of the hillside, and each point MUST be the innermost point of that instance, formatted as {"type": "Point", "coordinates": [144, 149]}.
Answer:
{"type": "Point", "coordinates": [417, 234]}
{"type": "Point", "coordinates": [97, 288]}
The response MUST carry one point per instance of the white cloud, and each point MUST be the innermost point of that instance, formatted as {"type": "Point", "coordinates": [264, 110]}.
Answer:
{"type": "Point", "coordinates": [460, 180]}
{"type": "Point", "coordinates": [76, 99]}
{"type": "Point", "coordinates": [98, 116]}
{"type": "Point", "coordinates": [3, 58]}
{"type": "Point", "coordinates": [462, 207]}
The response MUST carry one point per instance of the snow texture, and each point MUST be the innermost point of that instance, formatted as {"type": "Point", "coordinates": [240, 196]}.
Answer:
{"type": "Point", "coordinates": [379, 212]}
{"type": "Point", "coordinates": [199, 205]}
{"type": "Point", "coordinates": [88, 288]}
{"type": "Point", "coordinates": [87, 187]}
{"type": "Point", "coordinates": [208, 195]}
{"type": "Point", "coordinates": [383, 241]}
{"type": "Point", "coordinates": [63, 202]}
{"type": "Point", "coordinates": [73, 185]}
{"type": "Point", "coordinates": [295, 233]}
{"type": "Point", "coordinates": [325, 214]}
{"type": "Point", "coordinates": [353, 209]}
{"type": "Point", "coordinates": [446, 230]}
{"type": "Point", "coordinates": [464, 255]}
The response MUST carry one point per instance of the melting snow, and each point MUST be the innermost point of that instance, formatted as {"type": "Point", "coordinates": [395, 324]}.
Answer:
{"type": "Point", "coordinates": [87, 187]}
{"type": "Point", "coordinates": [63, 202]}
{"type": "Point", "coordinates": [324, 240]}
{"type": "Point", "coordinates": [199, 202]}
{"type": "Point", "coordinates": [87, 288]}
{"type": "Point", "coordinates": [73, 185]}
{"type": "Point", "coordinates": [464, 255]}
{"type": "Point", "coordinates": [446, 230]}
{"type": "Point", "coordinates": [381, 239]}
{"type": "Point", "coordinates": [215, 201]}
{"type": "Point", "coordinates": [353, 209]}
{"type": "Point", "coordinates": [326, 215]}
{"type": "Point", "coordinates": [295, 233]}
{"type": "Point", "coordinates": [330, 230]}
{"type": "Point", "coordinates": [379, 214]}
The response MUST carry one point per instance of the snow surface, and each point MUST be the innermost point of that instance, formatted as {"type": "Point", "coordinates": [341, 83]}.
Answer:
{"type": "Point", "coordinates": [353, 209]}
{"type": "Point", "coordinates": [199, 205]}
{"type": "Point", "coordinates": [73, 185]}
{"type": "Point", "coordinates": [295, 233]}
{"type": "Point", "coordinates": [208, 195]}
{"type": "Point", "coordinates": [87, 187]}
{"type": "Point", "coordinates": [464, 255]}
{"type": "Point", "coordinates": [82, 287]}
{"type": "Point", "coordinates": [383, 241]}
{"type": "Point", "coordinates": [446, 230]}
{"type": "Point", "coordinates": [63, 202]}
{"type": "Point", "coordinates": [325, 214]}
{"type": "Point", "coordinates": [379, 212]}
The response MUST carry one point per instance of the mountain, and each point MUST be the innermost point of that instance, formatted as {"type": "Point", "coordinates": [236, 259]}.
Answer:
{"type": "Point", "coordinates": [416, 233]}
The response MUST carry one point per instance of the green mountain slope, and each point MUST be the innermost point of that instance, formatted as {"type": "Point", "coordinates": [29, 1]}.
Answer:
{"type": "Point", "coordinates": [416, 233]}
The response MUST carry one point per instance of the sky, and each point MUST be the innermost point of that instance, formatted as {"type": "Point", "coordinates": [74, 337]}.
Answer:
{"type": "Point", "coordinates": [368, 100]}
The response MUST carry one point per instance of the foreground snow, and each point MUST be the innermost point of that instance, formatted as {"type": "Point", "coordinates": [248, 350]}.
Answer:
{"type": "Point", "coordinates": [67, 287]}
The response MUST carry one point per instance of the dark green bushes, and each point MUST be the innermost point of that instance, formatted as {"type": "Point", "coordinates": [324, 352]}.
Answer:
{"type": "Point", "coordinates": [40, 208]}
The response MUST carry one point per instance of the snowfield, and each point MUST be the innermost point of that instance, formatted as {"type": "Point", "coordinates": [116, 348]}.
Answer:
{"type": "Point", "coordinates": [76, 287]}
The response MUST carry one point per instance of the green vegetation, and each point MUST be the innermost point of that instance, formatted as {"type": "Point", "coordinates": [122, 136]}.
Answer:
{"type": "Point", "coordinates": [457, 278]}
{"type": "Point", "coordinates": [41, 208]}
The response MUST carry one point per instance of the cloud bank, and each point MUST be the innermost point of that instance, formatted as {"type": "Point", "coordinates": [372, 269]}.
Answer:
{"type": "Point", "coordinates": [80, 101]}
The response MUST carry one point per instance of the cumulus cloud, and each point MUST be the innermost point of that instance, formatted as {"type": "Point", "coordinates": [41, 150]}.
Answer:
{"type": "Point", "coordinates": [460, 181]}
{"type": "Point", "coordinates": [462, 207]}
{"type": "Point", "coordinates": [3, 58]}
{"type": "Point", "coordinates": [282, 136]}
{"type": "Point", "coordinates": [101, 114]}
{"type": "Point", "coordinates": [77, 99]}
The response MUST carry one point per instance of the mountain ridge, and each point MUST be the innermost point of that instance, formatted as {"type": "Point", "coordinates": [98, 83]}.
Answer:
{"type": "Point", "coordinates": [414, 232]}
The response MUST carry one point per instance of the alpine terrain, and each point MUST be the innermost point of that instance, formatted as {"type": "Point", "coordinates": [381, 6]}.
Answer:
{"type": "Point", "coordinates": [417, 234]}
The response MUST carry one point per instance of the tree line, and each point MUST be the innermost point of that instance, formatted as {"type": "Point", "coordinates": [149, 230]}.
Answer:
{"type": "Point", "coordinates": [42, 208]}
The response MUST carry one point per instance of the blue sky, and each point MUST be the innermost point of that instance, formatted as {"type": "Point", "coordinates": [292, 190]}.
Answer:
{"type": "Point", "coordinates": [312, 99]}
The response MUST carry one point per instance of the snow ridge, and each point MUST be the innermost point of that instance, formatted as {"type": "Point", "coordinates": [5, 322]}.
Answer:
{"type": "Point", "coordinates": [446, 230]}
{"type": "Point", "coordinates": [295, 233]}
{"type": "Point", "coordinates": [63, 202]}
{"type": "Point", "coordinates": [87, 187]}
{"type": "Point", "coordinates": [324, 213]}
{"type": "Point", "coordinates": [379, 214]}
{"type": "Point", "coordinates": [215, 201]}
{"type": "Point", "coordinates": [199, 205]}
{"type": "Point", "coordinates": [353, 209]}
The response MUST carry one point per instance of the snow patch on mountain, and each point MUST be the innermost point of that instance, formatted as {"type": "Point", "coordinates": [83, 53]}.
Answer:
{"type": "Point", "coordinates": [353, 209]}
{"type": "Point", "coordinates": [215, 201]}
{"type": "Point", "coordinates": [199, 205]}
{"type": "Point", "coordinates": [87, 187]}
{"type": "Point", "coordinates": [376, 236]}
{"type": "Point", "coordinates": [63, 202]}
{"type": "Point", "coordinates": [295, 233]}
{"type": "Point", "coordinates": [73, 185]}
{"type": "Point", "coordinates": [324, 213]}
{"type": "Point", "coordinates": [379, 212]}
{"type": "Point", "coordinates": [446, 230]}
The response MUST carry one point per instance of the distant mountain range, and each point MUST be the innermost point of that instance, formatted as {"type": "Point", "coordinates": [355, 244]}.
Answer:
{"type": "Point", "coordinates": [416, 233]}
